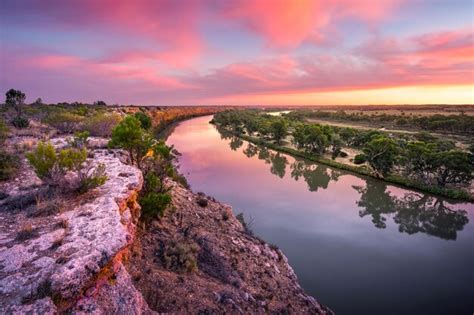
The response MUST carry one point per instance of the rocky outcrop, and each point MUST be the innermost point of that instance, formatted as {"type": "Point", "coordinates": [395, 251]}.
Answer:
{"type": "Point", "coordinates": [64, 261]}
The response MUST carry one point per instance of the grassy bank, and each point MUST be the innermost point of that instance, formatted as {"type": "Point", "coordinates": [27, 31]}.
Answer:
{"type": "Point", "coordinates": [363, 170]}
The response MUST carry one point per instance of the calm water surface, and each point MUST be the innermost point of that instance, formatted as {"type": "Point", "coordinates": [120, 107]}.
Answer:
{"type": "Point", "coordinates": [357, 244]}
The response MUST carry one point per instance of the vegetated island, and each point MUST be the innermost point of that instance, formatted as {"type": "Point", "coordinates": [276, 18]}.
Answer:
{"type": "Point", "coordinates": [94, 218]}
{"type": "Point", "coordinates": [420, 158]}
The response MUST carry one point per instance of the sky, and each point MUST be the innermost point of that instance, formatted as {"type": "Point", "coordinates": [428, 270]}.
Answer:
{"type": "Point", "coordinates": [236, 52]}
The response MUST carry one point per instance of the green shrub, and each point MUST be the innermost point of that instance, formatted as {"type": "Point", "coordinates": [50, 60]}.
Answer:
{"type": "Point", "coordinates": [44, 160]}
{"type": "Point", "coordinates": [359, 159]}
{"type": "Point", "coordinates": [95, 179]}
{"type": "Point", "coordinates": [144, 119]}
{"type": "Point", "coordinates": [20, 122]}
{"type": "Point", "coordinates": [51, 166]}
{"type": "Point", "coordinates": [8, 165]}
{"type": "Point", "coordinates": [65, 122]}
{"type": "Point", "coordinates": [3, 132]}
{"type": "Point", "coordinates": [101, 125]}
{"type": "Point", "coordinates": [72, 159]}
{"type": "Point", "coordinates": [154, 204]}
{"type": "Point", "coordinates": [180, 257]}
{"type": "Point", "coordinates": [80, 140]}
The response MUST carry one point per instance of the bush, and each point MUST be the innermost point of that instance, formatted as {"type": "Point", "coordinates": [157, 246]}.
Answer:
{"type": "Point", "coordinates": [202, 202]}
{"type": "Point", "coordinates": [180, 257]}
{"type": "Point", "coordinates": [154, 204]}
{"type": "Point", "coordinates": [343, 154]}
{"type": "Point", "coordinates": [8, 165]}
{"type": "Point", "coordinates": [65, 122]}
{"type": "Point", "coordinates": [20, 122]}
{"type": "Point", "coordinates": [144, 119]}
{"type": "Point", "coordinates": [51, 166]}
{"type": "Point", "coordinates": [359, 159]}
{"type": "Point", "coordinates": [101, 125]}
{"type": "Point", "coordinates": [44, 161]}
{"type": "Point", "coordinates": [93, 180]}
{"type": "Point", "coordinates": [26, 233]}
{"type": "Point", "coordinates": [80, 140]}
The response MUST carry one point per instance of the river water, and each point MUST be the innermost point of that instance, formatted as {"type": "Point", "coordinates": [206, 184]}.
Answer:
{"type": "Point", "coordinates": [359, 245]}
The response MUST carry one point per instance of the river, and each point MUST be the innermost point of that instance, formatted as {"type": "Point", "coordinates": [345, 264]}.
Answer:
{"type": "Point", "coordinates": [359, 245]}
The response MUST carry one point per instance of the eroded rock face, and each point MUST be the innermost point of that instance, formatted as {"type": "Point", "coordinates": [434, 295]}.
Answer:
{"type": "Point", "coordinates": [64, 255]}
{"type": "Point", "coordinates": [234, 272]}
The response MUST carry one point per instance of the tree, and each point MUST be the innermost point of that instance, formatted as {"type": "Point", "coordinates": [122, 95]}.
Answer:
{"type": "Point", "coordinates": [251, 125]}
{"type": "Point", "coordinates": [144, 119]}
{"type": "Point", "coordinates": [336, 144]}
{"type": "Point", "coordinates": [100, 103]}
{"type": "Point", "coordinates": [16, 99]}
{"type": "Point", "coordinates": [279, 129]}
{"type": "Point", "coordinates": [452, 167]}
{"type": "Point", "coordinates": [312, 138]}
{"type": "Point", "coordinates": [418, 157]}
{"type": "Point", "coordinates": [38, 101]}
{"type": "Point", "coordinates": [129, 135]}
{"type": "Point", "coordinates": [381, 153]}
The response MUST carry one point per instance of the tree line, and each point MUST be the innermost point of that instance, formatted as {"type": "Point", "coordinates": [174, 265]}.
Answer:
{"type": "Point", "coordinates": [460, 123]}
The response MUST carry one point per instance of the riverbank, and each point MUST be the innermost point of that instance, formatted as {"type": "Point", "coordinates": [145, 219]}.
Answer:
{"type": "Point", "coordinates": [455, 194]}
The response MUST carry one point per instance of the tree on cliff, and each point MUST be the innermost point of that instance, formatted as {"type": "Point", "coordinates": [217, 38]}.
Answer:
{"type": "Point", "coordinates": [130, 135]}
{"type": "Point", "coordinates": [144, 119]}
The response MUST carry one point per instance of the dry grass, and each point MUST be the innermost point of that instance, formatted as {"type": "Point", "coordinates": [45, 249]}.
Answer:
{"type": "Point", "coordinates": [26, 232]}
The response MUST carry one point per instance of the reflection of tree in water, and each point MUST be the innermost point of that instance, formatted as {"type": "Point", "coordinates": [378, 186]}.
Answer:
{"type": "Point", "coordinates": [426, 214]}
{"type": "Point", "coordinates": [235, 143]}
{"type": "Point", "coordinates": [297, 169]}
{"type": "Point", "coordinates": [251, 150]}
{"type": "Point", "coordinates": [375, 201]}
{"type": "Point", "coordinates": [224, 134]}
{"type": "Point", "coordinates": [413, 212]}
{"type": "Point", "coordinates": [264, 154]}
{"type": "Point", "coordinates": [278, 164]}
{"type": "Point", "coordinates": [316, 176]}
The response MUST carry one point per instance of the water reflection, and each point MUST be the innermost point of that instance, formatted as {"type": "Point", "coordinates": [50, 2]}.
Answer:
{"type": "Point", "coordinates": [235, 143]}
{"type": "Point", "coordinates": [412, 212]}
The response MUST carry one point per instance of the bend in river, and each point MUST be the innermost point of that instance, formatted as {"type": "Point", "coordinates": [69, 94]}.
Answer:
{"type": "Point", "coordinates": [358, 244]}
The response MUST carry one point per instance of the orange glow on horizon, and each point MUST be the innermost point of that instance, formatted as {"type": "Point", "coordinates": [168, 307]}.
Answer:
{"type": "Point", "coordinates": [415, 95]}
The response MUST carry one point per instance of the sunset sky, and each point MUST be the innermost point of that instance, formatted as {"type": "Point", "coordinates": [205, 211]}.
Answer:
{"type": "Point", "coordinates": [239, 52]}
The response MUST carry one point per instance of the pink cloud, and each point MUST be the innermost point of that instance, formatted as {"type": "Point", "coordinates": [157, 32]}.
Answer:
{"type": "Point", "coordinates": [287, 23]}
{"type": "Point", "coordinates": [169, 29]}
